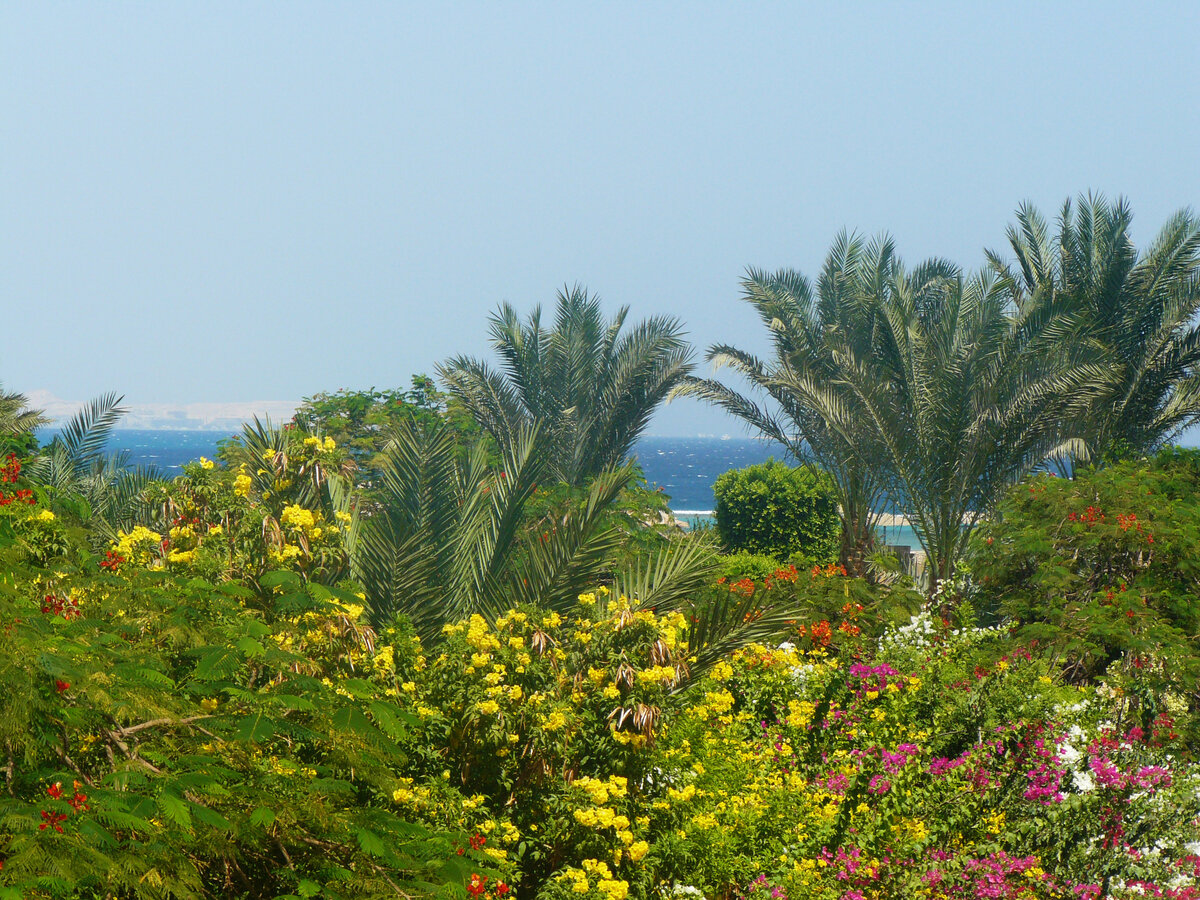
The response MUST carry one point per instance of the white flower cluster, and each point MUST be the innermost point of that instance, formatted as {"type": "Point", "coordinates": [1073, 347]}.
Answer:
{"type": "Point", "coordinates": [920, 629]}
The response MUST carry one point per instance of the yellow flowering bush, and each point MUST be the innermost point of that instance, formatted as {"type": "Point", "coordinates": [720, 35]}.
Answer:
{"type": "Point", "coordinates": [251, 517]}
{"type": "Point", "coordinates": [553, 723]}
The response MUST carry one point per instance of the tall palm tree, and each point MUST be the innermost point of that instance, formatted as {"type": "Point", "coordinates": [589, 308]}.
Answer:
{"type": "Point", "coordinates": [803, 323]}
{"type": "Point", "coordinates": [591, 388]}
{"type": "Point", "coordinates": [1137, 310]}
{"type": "Point", "coordinates": [963, 390]}
{"type": "Point", "coordinates": [451, 539]}
{"type": "Point", "coordinates": [930, 389]}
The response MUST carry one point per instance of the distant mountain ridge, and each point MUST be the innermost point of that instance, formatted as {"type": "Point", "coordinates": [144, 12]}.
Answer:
{"type": "Point", "coordinates": [204, 416]}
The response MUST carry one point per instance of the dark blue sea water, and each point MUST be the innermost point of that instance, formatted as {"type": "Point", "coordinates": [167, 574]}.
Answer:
{"type": "Point", "coordinates": [685, 468]}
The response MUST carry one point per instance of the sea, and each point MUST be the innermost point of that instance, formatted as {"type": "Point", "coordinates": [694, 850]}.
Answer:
{"type": "Point", "coordinates": [684, 467]}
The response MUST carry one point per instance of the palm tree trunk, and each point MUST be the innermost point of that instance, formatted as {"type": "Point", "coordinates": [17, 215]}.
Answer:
{"type": "Point", "coordinates": [858, 526]}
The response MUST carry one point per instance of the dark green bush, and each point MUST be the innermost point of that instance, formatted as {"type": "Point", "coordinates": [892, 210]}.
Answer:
{"type": "Point", "coordinates": [776, 510]}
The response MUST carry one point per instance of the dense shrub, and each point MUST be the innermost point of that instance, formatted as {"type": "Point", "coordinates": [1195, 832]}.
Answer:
{"type": "Point", "coordinates": [743, 564]}
{"type": "Point", "coordinates": [1100, 570]}
{"type": "Point", "coordinates": [192, 714]}
{"type": "Point", "coordinates": [174, 738]}
{"type": "Point", "coordinates": [777, 510]}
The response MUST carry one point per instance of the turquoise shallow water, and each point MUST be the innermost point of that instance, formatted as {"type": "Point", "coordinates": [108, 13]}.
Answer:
{"type": "Point", "coordinates": [897, 535]}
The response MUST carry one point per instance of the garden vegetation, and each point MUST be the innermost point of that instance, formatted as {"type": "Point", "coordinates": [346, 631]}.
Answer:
{"type": "Point", "coordinates": [416, 644]}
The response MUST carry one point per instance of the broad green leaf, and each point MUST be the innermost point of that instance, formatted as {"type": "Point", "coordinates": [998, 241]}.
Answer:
{"type": "Point", "coordinates": [255, 727]}
{"type": "Point", "coordinates": [371, 843]}
{"type": "Point", "coordinates": [262, 817]}
{"type": "Point", "coordinates": [280, 579]}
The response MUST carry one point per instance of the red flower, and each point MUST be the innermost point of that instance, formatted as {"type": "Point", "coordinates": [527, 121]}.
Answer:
{"type": "Point", "coordinates": [477, 841]}
{"type": "Point", "coordinates": [501, 888]}
{"type": "Point", "coordinates": [79, 801]}
{"type": "Point", "coordinates": [478, 885]}
{"type": "Point", "coordinates": [60, 685]}
{"type": "Point", "coordinates": [52, 820]}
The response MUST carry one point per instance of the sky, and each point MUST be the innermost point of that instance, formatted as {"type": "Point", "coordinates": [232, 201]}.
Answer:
{"type": "Point", "coordinates": [227, 202]}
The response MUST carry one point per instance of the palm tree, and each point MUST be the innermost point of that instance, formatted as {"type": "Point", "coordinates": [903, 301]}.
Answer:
{"type": "Point", "coordinates": [1138, 311]}
{"type": "Point", "coordinates": [962, 389]}
{"type": "Point", "coordinates": [802, 324]}
{"type": "Point", "coordinates": [926, 388]}
{"type": "Point", "coordinates": [451, 539]}
{"type": "Point", "coordinates": [75, 466]}
{"type": "Point", "coordinates": [589, 388]}
{"type": "Point", "coordinates": [17, 421]}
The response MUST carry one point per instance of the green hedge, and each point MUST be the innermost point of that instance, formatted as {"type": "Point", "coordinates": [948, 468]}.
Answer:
{"type": "Point", "coordinates": [778, 510]}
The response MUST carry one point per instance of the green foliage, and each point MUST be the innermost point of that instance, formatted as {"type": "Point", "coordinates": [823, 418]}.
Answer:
{"type": "Point", "coordinates": [1100, 569]}
{"type": "Point", "coordinates": [107, 493]}
{"type": "Point", "coordinates": [931, 764]}
{"type": "Point", "coordinates": [800, 318]}
{"type": "Point", "coordinates": [361, 421]}
{"type": "Point", "coordinates": [449, 539]}
{"type": "Point", "coordinates": [590, 389]}
{"type": "Point", "coordinates": [744, 564]}
{"type": "Point", "coordinates": [639, 515]}
{"type": "Point", "coordinates": [169, 737]}
{"type": "Point", "coordinates": [17, 420]}
{"type": "Point", "coordinates": [1136, 311]}
{"type": "Point", "coordinates": [284, 500]}
{"type": "Point", "coordinates": [778, 510]}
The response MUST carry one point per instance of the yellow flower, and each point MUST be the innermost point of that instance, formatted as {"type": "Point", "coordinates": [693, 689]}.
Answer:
{"type": "Point", "coordinates": [720, 702]}
{"type": "Point", "coordinates": [297, 517]}
{"type": "Point", "coordinates": [659, 674]}
{"type": "Point", "coordinates": [682, 796]}
{"type": "Point", "coordinates": [489, 707]}
{"type": "Point", "coordinates": [206, 463]}
{"type": "Point", "coordinates": [581, 886]}
{"type": "Point", "coordinates": [45, 516]}
{"type": "Point", "coordinates": [241, 485]}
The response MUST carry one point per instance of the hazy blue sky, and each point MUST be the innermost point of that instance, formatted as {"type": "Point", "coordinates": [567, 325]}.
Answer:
{"type": "Point", "coordinates": [251, 201]}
